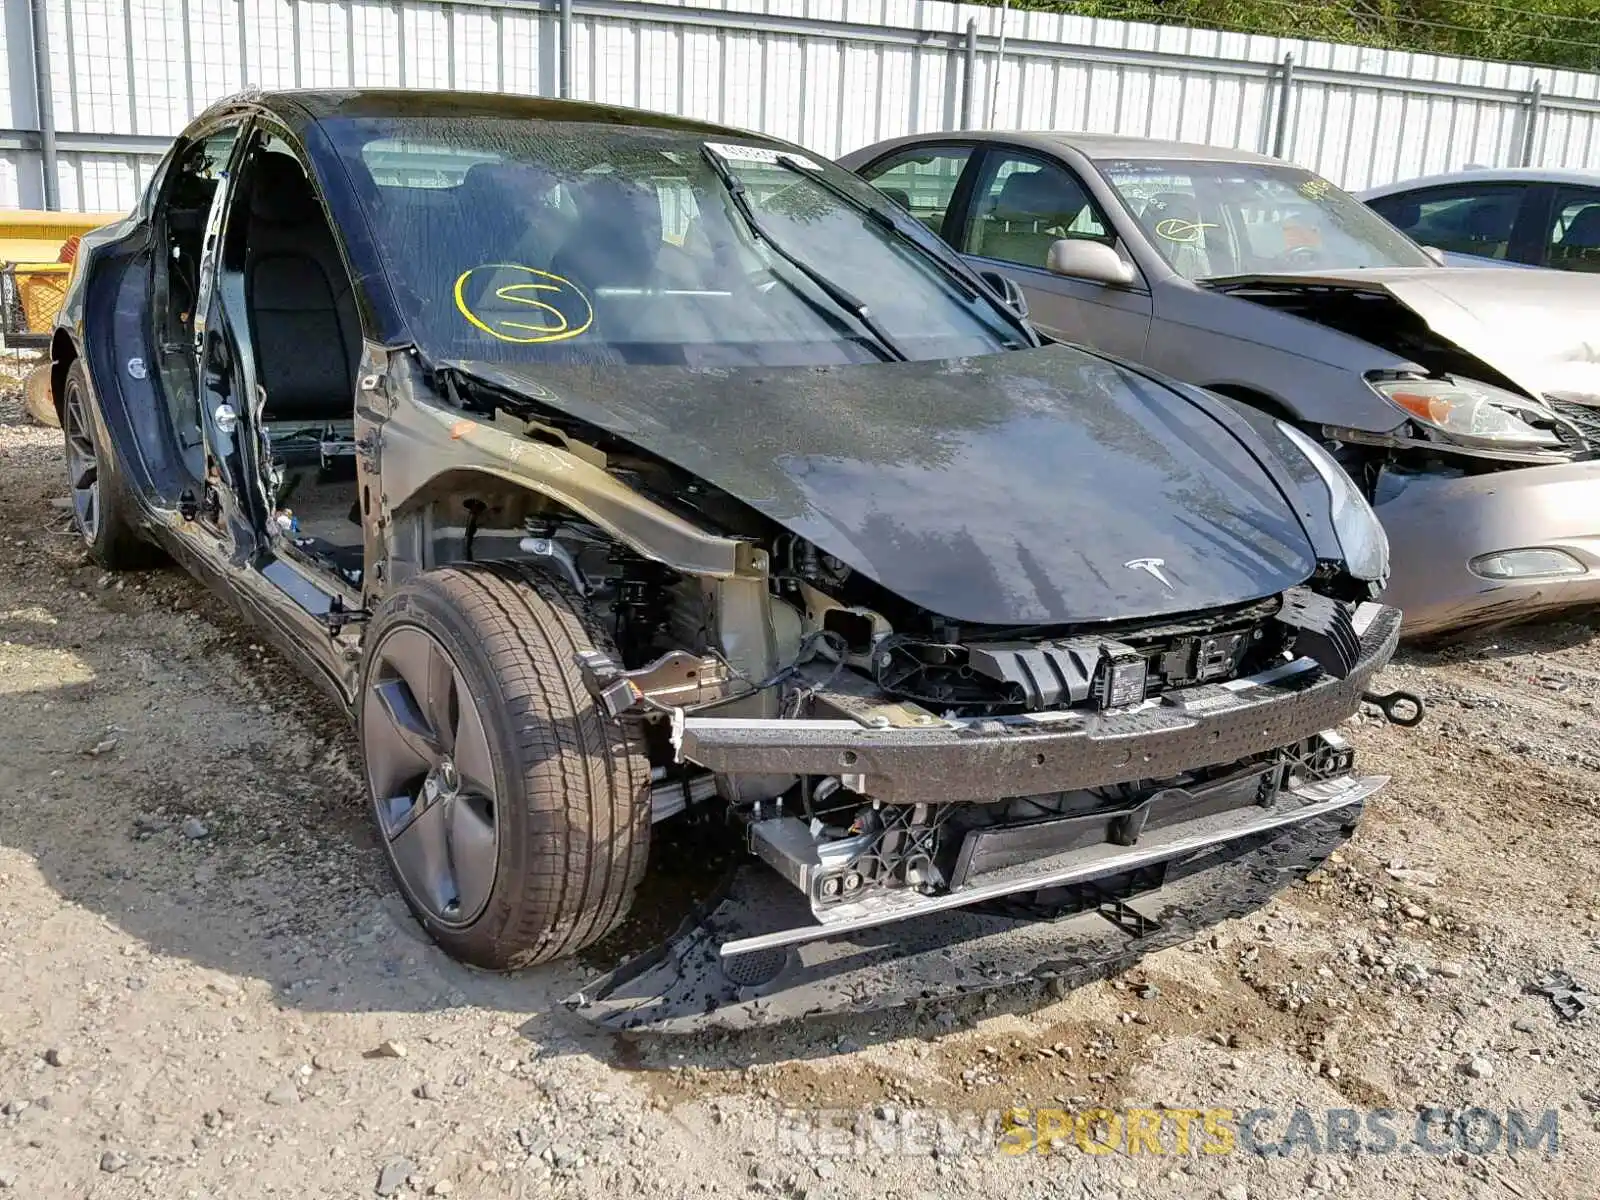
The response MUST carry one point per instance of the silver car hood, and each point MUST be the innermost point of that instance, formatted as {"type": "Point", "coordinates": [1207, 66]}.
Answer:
{"type": "Point", "coordinates": [1540, 329]}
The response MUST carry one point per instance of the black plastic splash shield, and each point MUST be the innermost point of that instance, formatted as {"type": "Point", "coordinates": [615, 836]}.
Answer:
{"type": "Point", "coordinates": [685, 986]}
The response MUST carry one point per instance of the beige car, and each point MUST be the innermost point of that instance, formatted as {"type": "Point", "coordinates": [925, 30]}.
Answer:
{"type": "Point", "coordinates": [1463, 401]}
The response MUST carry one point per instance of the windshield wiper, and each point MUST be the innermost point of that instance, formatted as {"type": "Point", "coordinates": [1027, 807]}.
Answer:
{"type": "Point", "coordinates": [955, 274]}
{"type": "Point", "coordinates": [841, 296]}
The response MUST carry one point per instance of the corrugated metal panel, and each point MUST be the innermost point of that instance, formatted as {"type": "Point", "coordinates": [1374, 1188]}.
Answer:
{"type": "Point", "coordinates": [833, 74]}
{"type": "Point", "coordinates": [10, 169]}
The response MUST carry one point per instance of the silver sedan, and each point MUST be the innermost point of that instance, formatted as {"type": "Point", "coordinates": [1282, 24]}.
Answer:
{"type": "Point", "coordinates": [1466, 403]}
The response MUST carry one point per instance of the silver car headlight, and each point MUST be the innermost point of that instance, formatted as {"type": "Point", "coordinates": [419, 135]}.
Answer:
{"type": "Point", "coordinates": [1471, 413]}
{"type": "Point", "coordinates": [1361, 537]}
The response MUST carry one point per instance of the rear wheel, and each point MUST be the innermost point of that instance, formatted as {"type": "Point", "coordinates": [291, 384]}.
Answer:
{"type": "Point", "coordinates": [101, 511]}
{"type": "Point", "coordinates": [516, 817]}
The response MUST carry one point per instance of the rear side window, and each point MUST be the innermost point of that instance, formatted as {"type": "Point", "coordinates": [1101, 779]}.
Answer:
{"type": "Point", "coordinates": [922, 181]}
{"type": "Point", "coordinates": [395, 162]}
{"type": "Point", "coordinates": [1474, 219]}
{"type": "Point", "coordinates": [1574, 240]}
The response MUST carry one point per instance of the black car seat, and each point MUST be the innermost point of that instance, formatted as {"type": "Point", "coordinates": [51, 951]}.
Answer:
{"type": "Point", "coordinates": [616, 238]}
{"type": "Point", "coordinates": [508, 214]}
{"type": "Point", "coordinates": [303, 317]}
{"type": "Point", "coordinates": [1579, 248]}
{"type": "Point", "coordinates": [1486, 229]}
{"type": "Point", "coordinates": [504, 216]}
{"type": "Point", "coordinates": [614, 245]}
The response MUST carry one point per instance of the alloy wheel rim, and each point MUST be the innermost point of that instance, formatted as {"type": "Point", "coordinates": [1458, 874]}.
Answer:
{"type": "Point", "coordinates": [83, 467]}
{"type": "Point", "coordinates": [431, 776]}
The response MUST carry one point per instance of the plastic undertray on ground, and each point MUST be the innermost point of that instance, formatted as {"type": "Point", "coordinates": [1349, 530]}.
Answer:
{"type": "Point", "coordinates": [1072, 935]}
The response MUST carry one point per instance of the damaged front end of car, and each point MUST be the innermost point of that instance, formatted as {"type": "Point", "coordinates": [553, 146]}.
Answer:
{"type": "Point", "coordinates": [1070, 776]}
{"type": "Point", "coordinates": [1091, 766]}
{"type": "Point", "coordinates": [1487, 475]}
{"type": "Point", "coordinates": [929, 805]}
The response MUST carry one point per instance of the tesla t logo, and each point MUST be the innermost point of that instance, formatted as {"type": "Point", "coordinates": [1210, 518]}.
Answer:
{"type": "Point", "coordinates": [1152, 565]}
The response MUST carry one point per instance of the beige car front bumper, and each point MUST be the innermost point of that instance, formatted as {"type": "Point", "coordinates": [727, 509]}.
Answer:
{"type": "Point", "coordinates": [1437, 526]}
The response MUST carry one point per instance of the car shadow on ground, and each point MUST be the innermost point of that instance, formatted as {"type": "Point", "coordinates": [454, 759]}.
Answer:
{"type": "Point", "coordinates": [119, 737]}
{"type": "Point", "coordinates": [125, 713]}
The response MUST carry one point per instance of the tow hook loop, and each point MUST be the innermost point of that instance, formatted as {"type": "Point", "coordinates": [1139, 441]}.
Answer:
{"type": "Point", "coordinates": [1401, 708]}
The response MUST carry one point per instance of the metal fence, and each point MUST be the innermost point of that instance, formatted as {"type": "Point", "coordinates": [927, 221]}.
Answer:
{"type": "Point", "coordinates": [115, 79]}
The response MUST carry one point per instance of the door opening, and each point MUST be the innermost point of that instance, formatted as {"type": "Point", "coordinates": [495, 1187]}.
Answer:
{"type": "Point", "coordinates": [305, 340]}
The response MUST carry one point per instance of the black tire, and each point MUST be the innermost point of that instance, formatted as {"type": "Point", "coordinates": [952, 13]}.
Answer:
{"type": "Point", "coordinates": [102, 513]}
{"type": "Point", "coordinates": [571, 788]}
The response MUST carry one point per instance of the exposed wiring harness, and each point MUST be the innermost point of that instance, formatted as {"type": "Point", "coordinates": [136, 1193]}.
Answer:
{"type": "Point", "coordinates": [794, 701]}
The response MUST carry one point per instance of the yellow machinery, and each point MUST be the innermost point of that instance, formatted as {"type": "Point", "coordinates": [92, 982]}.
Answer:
{"type": "Point", "coordinates": [36, 253]}
{"type": "Point", "coordinates": [36, 250]}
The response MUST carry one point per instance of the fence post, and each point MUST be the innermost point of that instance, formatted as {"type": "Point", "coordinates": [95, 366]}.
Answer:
{"type": "Point", "coordinates": [969, 74]}
{"type": "Point", "coordinates": [1280, 135]}
{"type": "Point", "coordinates": [45, 101]}
{"type": "Point", "coordinates": [999, 65]}
{"type": "Point", "coordinates": [1530, 135]}
{"type": "Point", "coordinates": [564, 51]}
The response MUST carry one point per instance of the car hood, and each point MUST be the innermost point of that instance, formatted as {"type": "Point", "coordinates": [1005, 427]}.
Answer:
{"type": "Point", "coordinates": [1539, 329]}
{"type": "Point", "coordinates": [1014, 488]}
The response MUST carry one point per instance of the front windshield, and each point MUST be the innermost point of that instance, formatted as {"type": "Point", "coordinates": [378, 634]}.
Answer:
{"type": "Point", "coordinates": [1214, 219]}
{"type": "Point", "coordinates": [575, 242]}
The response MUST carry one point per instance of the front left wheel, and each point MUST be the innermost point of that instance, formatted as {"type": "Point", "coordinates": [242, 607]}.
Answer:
{"type": "Point", "coordinates": [514, 814]}
{"type": "Point", "coordinates": [101, 510]}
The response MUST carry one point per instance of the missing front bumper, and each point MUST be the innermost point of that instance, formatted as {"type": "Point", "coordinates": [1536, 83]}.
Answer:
{"type": "Point", "coordinates": [758, 956]}
{"type": "Point", "coordinates": [986, 759]}
{"type": "Point", "coordinates": [1079, 865]}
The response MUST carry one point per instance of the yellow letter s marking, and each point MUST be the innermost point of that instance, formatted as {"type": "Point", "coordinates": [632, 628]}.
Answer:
{"type": "Point", "coordinates": [537, 291]}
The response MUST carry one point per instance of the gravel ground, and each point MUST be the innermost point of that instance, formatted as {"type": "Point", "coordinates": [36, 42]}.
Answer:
{"type": "Point", "coordinates": [209, 988]}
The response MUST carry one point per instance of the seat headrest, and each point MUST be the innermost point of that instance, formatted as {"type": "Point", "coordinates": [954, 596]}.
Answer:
{"type": "Point", "coordinates": [899, 195]}
{"type": "Point", "coordinates": [1487, 220]}
{"type": "Point", "coordinates": [1031, 195]}
{"type": "Point", "coordinates": [505, 182]}
{"type": "Point", "coordinates": [1584, 232]}
{"type": "Point", "coordinates": [280, 192]}
{"type": "Point", "coordinates": [617, 237]}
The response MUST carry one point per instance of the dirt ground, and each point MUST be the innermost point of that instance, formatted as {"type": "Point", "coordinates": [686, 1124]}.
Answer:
{"type": "Point", "coordinates": [208, 987]}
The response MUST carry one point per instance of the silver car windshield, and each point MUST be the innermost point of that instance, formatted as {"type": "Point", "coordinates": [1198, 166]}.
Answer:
{"type": "Point", "coordinates": [1214, 219]}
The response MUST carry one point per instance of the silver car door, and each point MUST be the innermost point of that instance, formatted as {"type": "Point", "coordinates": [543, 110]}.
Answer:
{"type": "Point", "coordinates": [1025, 201]}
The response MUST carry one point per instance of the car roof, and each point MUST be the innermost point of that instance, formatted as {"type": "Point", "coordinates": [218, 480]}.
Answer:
{"type": "Point", "coordinates": [1101, 146]}
{"type": "Point", "coordinates": [1489, 175]}
{"type": "Point", "coordinates": [298, 108]}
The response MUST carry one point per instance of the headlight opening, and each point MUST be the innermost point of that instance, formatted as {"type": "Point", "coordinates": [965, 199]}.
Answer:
{"type": "Point", "coordinates": [1362, 541]}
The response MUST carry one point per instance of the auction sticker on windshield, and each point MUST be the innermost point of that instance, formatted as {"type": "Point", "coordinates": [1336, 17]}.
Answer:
{"type": "Point", "coordinates": [734, 152]}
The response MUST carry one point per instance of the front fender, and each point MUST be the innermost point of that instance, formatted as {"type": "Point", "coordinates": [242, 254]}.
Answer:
{"type": "Point", "coordinates": [424, 446]}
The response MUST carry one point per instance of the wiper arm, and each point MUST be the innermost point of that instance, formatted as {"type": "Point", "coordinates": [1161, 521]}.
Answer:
{"type": "Point", "coordinates": [968, 287]}
{"type": "Point", "coordinates": [841, 296]}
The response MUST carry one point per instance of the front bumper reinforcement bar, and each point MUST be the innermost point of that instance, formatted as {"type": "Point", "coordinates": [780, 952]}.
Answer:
{"type": "Point", "coordinates": [983, 759]}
